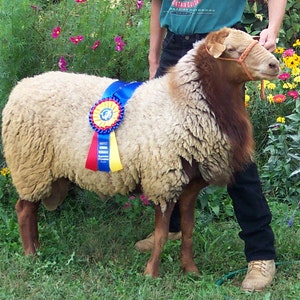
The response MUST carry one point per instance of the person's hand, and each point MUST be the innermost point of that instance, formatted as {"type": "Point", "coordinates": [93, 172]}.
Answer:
{"type": "Point", "coordinates": [152, 70]}
{"type": "Point", "coordinates": [267, 38]}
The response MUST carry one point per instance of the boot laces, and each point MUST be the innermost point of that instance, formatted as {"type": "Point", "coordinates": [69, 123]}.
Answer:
{"type": "Point", "coordinates": [258, 265]}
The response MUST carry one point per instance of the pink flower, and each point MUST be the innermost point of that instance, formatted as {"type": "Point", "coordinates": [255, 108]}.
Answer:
{"type": "Point", "coordinates": [119, 43]}
{"type": "Point", "coordinates": [293, 94]}
{"type": "Point", "coordinates": [145, 199]}
{"type": "Point", "coordinates": [35, 7]}
{"type": "Point", "coordinates": [56, 32]}
{"type": "Point", "coordinates": [126, 205]}
{"type": "Point", "coordinates": [96, 45]}
{"type": "Point", "coordinates": [139, 4]}
{"type": "Point", "coordinates": [80, 1]}
{"type": "Point", "coordinates": [288, 52]}
{"type": "Point", "coordinates": [132, 197]}
{"type": "Point", "coordinates": [279, 98]}
{"type": "Point", "coordinates": [62, 64]}
{"type": "Point", "coordinates": [76, 39]}
{"type": "Point", "coordinates": [284, 76]}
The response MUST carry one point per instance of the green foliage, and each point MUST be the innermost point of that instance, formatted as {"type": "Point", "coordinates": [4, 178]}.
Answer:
{"type": "Point", "coordinates": [281, 173]}
{"type": "Point", "coordinates": [8, 223]}
{"type": "Point", "coordinates": [7, 190]}
{"type": "Point", "coordinates": [290, 30]}
{"type": "Point", "coordinates": [87, 252]}
{"type": "Point", "coordinates": [215, 202]}
{"type": "Point", "coordinates": [135, 206]}
{"type": "Point", "coordinates": [263, 113]}
{"type": "Point", "coordinates": [278, 144]}
{"type": "Point", "coordinates": [28, 48]}
{"type": "Point", "coordinates": [255, 19]}
{"type": "Point", "coordinates": [255, 16]}
{"type": "Point", "coordinates": [19, 50]}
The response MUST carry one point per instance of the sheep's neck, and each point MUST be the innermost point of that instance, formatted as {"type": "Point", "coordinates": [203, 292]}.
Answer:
{"type": "Point", "coordinates": [226, 100]}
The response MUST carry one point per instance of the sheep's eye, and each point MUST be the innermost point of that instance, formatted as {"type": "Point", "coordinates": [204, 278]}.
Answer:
{"type": "Point", "coordinates": [230, 50]}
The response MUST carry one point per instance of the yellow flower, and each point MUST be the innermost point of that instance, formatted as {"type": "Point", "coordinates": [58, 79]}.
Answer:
{"type": "Point", "coordinates": [288, 85]}
{"type": "Point", "coordinates": [5, 171]}
{"type": "Point", "coordinates": [296, 59]}
{"type": "Point", "coordinates": [291, 61]}
{"type": "Point", "coordinates": [297, 43]}
{"type": "Point", "coordinates": [266, 81]}
{"type": "Point", "coordinates": [271, 86]}
{"type": "Point", "coordinates": [297, 79]}
{"type": "Point", "coordinates": [280, 120]}
{"type": "Point", "coordinates": [279, 50]}
{"type": "Point", "coordinates": [295, 71]}
{"type": "Point", "coordinates": [270, 98]}
{"type": "Point", "coordinates": [247, 99]}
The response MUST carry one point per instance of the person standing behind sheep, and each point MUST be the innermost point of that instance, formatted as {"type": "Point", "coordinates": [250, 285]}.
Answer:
{"type": "Point", "coordinates": [174, 27]}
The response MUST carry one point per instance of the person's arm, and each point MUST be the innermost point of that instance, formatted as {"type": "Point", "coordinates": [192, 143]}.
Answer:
{"type": "Point", "coordinates": [156, 37]}
{"type": "Point", "coordinates": [269, 35]}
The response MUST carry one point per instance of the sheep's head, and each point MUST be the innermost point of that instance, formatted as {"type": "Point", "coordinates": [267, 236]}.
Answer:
{"type": "Point", "coordinates": [236, 46]}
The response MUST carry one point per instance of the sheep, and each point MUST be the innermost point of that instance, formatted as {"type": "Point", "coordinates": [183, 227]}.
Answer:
{"type": "Point", "coordinates": [181, 132]}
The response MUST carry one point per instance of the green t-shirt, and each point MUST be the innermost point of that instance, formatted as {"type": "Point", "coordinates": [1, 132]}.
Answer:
{"type": "Point", "coordinates": [200, 16]}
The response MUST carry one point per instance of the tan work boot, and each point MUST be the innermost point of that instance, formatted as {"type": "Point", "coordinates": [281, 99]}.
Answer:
{"type": "Point", "coordinates": [260, 274]}
{"type": "Point", "coordinates": [147, 244]}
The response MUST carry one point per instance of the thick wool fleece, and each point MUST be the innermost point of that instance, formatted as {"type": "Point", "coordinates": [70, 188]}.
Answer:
{"type": "Point", "coordinates": [46, 135]}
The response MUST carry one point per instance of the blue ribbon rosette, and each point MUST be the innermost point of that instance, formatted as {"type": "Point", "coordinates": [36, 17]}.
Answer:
{"type": "Point", "coordinates": [104, 117]}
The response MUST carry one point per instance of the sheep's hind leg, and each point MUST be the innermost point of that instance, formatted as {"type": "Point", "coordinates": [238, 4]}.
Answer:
{"type": "Point", "coordinates": [161, 231]}
{"type": "Point", "coordinates": [187, 202]}
{"type": "Point", "coordinates": [27, 213]}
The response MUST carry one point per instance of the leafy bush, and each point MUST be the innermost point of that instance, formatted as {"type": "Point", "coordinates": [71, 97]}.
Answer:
{"type": "Point", "coordinates": [290, 30]}
{"type": "Point", "coordinates": [281, 173]}
{"type": "Point", "coordinates": [279, 142]}
{"type": "Point", "coordinates": [255, 18]}
{"type": "Point", "coordinates": [280, 96]}
{"type": "Point", "coordinates": [33, 47]}
{"type": "Point", "coordinates": [20, 46]}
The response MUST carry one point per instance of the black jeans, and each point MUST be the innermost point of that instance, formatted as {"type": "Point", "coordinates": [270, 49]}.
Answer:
{"type": "Point", "coordinates": [249, 203]}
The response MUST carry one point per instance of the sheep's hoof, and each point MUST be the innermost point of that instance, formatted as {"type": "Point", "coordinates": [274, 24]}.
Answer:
{"type": "Point", "coordinates": [151, 272]}
{"type": "Point", "coordinates": [190, 269]}
{"type": "Point", "coordinates": [32, 251]}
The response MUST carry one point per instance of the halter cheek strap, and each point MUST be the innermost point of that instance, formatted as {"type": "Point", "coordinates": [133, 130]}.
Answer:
{"type": "Point", "coordinates": [241, 59]}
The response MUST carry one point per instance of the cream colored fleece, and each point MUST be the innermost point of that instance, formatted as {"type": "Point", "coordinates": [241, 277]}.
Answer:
{"type": "Point", "coordinates": [46, 135]}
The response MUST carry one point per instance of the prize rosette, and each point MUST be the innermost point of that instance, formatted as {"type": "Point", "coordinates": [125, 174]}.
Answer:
{"type": "Point", "coordinates": [106, 115]}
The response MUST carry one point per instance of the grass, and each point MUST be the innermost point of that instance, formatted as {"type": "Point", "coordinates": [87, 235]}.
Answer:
{"type": "Point", "coordinates": [88, 253]}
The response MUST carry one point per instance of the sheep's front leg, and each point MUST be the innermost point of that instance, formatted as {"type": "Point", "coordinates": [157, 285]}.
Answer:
{"type": "Point", "coordinates": [187, 208]}
{"type": "Point", "coordinates": [161, 231]}
{"type": "Point", "coordinates": [27, 213]}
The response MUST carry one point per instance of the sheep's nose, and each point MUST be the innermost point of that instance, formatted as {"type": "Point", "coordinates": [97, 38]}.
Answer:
{"type": "Point", "coordinates": [274, 65]}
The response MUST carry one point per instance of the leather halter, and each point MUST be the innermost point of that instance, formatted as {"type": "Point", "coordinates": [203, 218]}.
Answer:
{"type": "Point", "coordinates": [242, 58]}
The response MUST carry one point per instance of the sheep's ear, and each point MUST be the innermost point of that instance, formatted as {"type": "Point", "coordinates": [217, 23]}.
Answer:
{"type": "Point", "coordinates": [216, 49]}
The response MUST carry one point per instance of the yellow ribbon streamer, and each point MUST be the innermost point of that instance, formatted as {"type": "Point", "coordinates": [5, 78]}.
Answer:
{"type": "Point", "coordinates": [114, 156]}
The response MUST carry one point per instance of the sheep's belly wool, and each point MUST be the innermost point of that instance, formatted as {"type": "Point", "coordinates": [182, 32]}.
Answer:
{"type": "Point", "coordinates": [46, 136]}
